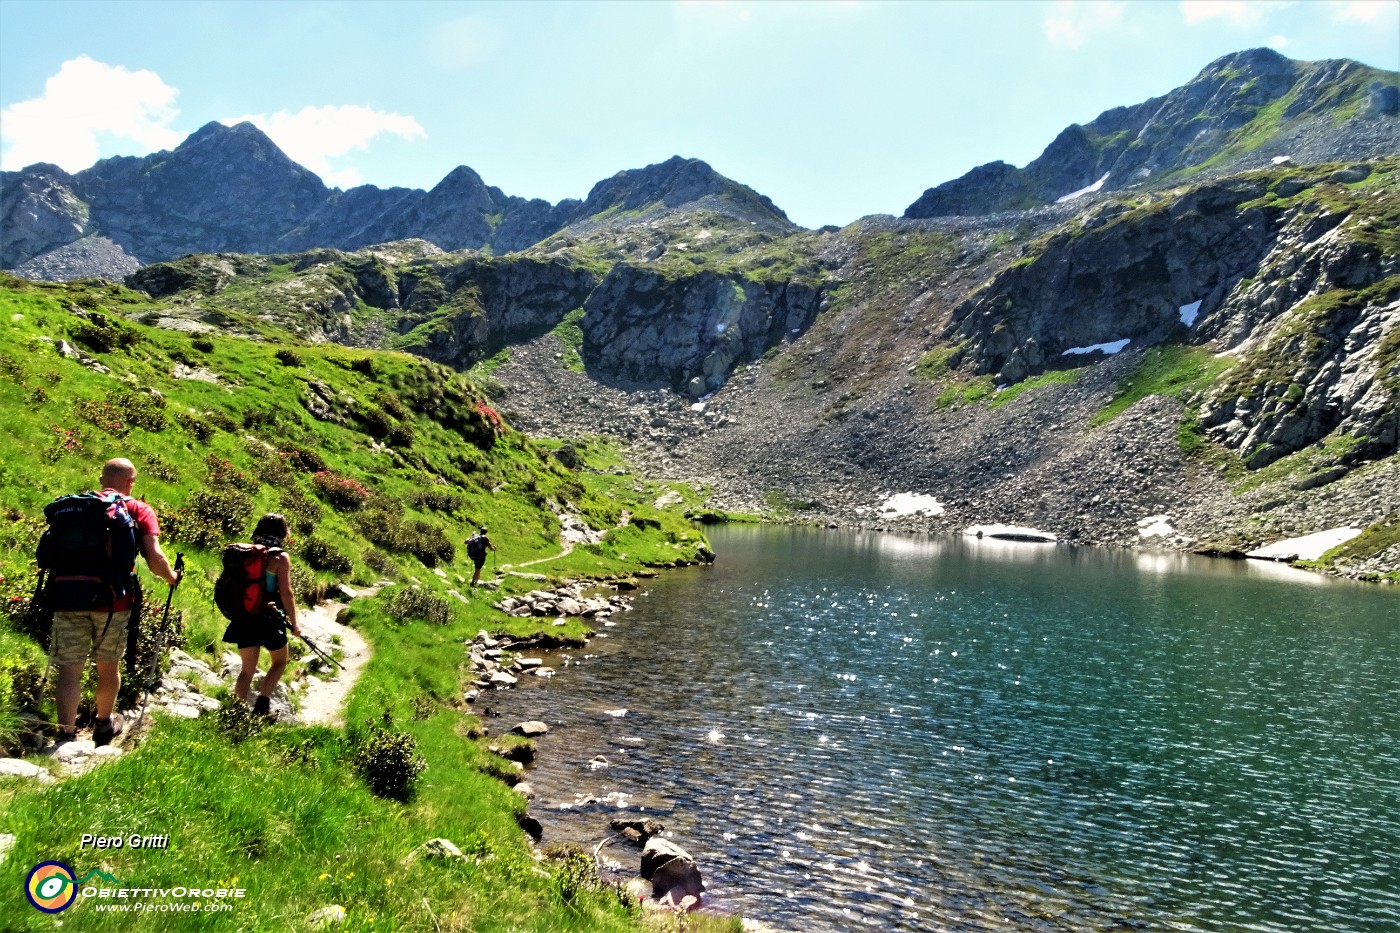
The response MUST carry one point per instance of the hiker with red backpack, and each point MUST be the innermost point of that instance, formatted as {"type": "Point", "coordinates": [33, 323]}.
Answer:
{"type": "Point", "coordinates": [254, 592]}
{"type": "Point", "coordinates": [88, 557]}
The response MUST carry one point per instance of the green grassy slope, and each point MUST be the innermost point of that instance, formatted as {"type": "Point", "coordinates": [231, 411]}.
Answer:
{"type": "Point", "coordinates": [400, 461]}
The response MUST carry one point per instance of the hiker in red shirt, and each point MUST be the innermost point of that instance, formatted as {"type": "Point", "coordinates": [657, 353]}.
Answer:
{"type": "Point", "coordinates": [100, 628]}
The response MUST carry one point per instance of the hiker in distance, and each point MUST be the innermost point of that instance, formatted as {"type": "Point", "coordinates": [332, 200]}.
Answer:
{"type": "Point", "coordinates": [477, 546]}
{"type": "Point", "coordinates": [92, 589]}
{"type": "Point", "coordinates": [258, 577]}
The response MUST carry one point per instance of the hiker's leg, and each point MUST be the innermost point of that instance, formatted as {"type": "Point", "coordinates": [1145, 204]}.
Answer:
{"type": "Point", "coordinates": [107, 658]}
{"type": "Point", "coordinates": [249, 658]}
{"type": "Point", "coordinates": [70, 681]}
{"type": "Point", "coordinates": [274, 671]}
{"type": "Point", "coordinates": [109, 680]}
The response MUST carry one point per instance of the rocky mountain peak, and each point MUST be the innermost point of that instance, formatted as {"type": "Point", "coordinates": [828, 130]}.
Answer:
{"type": "Point", "coordinates": [1242, 111]}
{"type": "Point", "coordinates": [675, 183]}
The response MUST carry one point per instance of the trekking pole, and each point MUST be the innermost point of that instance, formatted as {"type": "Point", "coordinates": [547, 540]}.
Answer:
{"type": "Point", "coordinates": [160, 638]}
{"type": "Point", "coordinates": [318, 651]}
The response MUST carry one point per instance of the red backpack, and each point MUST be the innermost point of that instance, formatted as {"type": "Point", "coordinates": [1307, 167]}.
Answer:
{"type": "Point", "coordinates": [239, 591]}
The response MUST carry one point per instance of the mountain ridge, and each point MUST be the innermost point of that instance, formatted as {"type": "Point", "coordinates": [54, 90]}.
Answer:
{"type": "Point", "coordinates": [231, 189]}
{"type": "Point", "coordinates": [1241, 111]}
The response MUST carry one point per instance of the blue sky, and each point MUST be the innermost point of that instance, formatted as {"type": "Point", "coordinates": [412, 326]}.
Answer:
{"type": "Point", "coordinates": [833, 109]}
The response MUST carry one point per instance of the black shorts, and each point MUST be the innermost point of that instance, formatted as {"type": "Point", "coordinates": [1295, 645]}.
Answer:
{"type": "Point", "coordinates": [268, 632]}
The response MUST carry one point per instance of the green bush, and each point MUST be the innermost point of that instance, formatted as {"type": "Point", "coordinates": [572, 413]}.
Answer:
{"type": "Point", "coordinates": [237, 721]}
{"type": "Point", "coordinates": [288, 357]}
{"type": "Point", "coordinates": [389, 762]}
{"type": "Point", "coordinates": [343, 493]}
{"type": "Point", "coordinates": [437, 498]}
{"type": "Point", "coordinates": [321, 556]}
{"type": "Point", "coordinates": [102, 334]}
{"type": "Point", "coordinates": [209, 519]}
{"type": "Point", "coordinates": [424, 541]}
{"type": "Point", "coordinates": [302, 512]}
{"type": "Point", "coordinates": [413, 602]}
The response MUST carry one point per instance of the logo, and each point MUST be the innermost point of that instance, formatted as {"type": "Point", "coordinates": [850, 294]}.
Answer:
{"type": "Point", "coordinates": [51, 887]}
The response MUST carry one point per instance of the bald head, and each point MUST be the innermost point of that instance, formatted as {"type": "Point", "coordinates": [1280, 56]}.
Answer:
{"type": "Point", "coordinates": [119, 474]}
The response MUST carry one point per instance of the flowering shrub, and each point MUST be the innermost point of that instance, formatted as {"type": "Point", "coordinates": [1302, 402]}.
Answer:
{"type": "Point", "coordinates": [67, 441]}
{"type": "Point", "coordinates": [491, 415]}
{"type": "Point", "coordinates": [412, 602]}
{"type": "Point", "coordinates": [322, 556]}
{"type": "Point", "coordinates": [103, 415]}
{"type": "Point", "coordinates": [222, 473]}
{"type": "Point", "coordinates": [340, 491]}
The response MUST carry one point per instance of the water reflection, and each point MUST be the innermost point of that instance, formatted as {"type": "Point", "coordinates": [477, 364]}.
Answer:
{"type": "Point", "coordinates": [859, 730]}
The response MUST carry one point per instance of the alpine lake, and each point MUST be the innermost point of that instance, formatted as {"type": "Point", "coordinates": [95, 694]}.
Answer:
{"type": "Point", "coordinates": [854, 731]}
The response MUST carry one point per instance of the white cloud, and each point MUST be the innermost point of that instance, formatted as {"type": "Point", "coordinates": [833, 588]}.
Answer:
{"type": "Point", "coordinates": [1278, 43]}
{"type": "Point", "coordinates": [82, 106]}
{"type": "Point", "coordinates": [313, 136]}
{"type": "Point", "coordinates": [1242, 13]}
{"type": "Point", "coordinates": [1364, 11]}
{"type": "Point", "coordinates": [1069, 22]}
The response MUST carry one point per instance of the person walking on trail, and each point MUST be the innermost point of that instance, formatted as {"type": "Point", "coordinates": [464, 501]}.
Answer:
{"type": "Point", "coordinates": [91, 610]}
{"type": "Point", "coordinates": [269, 579]}
{"type": "Point", "coordinates": [477, 546]}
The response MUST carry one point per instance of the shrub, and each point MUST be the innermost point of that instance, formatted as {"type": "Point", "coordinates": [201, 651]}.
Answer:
{"type": "Point", "coordinates": [364, 366]}
{"type": "Point", "coordinates": [202, 344]}
{"type": "Point", "coordinates": [237, 721]}
{"type": "Point", "coordinates": [155, 465]}
{"type": "Point", "coordinates": [413, 602]}
{"type": "Point", "coordinates": [321, 556]}
{"type": "Point", "coordinates": [389, 762]}
{"type": "Point", "coordinates": [376, 421]}
{"type": "Point", "coordinates": [223, 473]}
{"type": "Point", "coordinates": [201, 430]}
{"type": "Point", "coordinates": [288, 357]}
{"type": "Point", "coordinates": [439, 499]}
{"type": "Point", "coordinates": [308, 461]}
{"type": "Point", "coordinates": [379, 562]}
{"type": "Point", "coordinates": [401, 436]}
{"type": "Point", "coordinates": [209, 518]}
{"type": "Point", "coordinates": [306, 589]}
{"type": "Point", "coordinates": [425, 541]}
{"type": "Point", "coordinates": [143, 409]}
{"type": "Point", "coordinates": [103, 415]}
{"type": "Point", "coordinates": [342, 492]}
{"type": "Point", "coordinates": [568, 455]}
{"type": "Point", "coordinates": [102, 334]}
{"type": "Point", "coordinates": [302, 512]}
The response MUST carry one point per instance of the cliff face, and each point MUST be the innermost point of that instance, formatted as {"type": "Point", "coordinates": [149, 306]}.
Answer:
{"type": "Point", "coordinates": [1292, 277]}
{"type": "Point", "coordinates": [1242, 111]}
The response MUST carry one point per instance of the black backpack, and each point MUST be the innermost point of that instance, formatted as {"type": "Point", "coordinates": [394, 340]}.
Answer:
{"type": "Point", "coordinates": [239, 592]}
{"type": "Point", "coordinates": [88, 552]}
{"type": "Point", "coordinates": [476, 547]}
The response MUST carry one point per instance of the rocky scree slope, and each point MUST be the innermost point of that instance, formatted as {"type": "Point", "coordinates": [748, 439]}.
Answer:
{"type": "Point", "coordinates": [1281, 421]}
{"type": "Point", "coordinates": [1242, 111]}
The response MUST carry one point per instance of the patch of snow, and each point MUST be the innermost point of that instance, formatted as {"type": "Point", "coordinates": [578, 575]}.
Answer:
{"type": "Point", "coordinates": [703, 235]}
{"type": "Point", "coordinates": [1106, 348]}
{"type": "Point", "coordinates": [1155, 526]}
{"type": "Point", "coordinates": [908, 503]}
{"type": "Point", "coordinates": [721, 328]}
{"type": "Point", "coordinates": [1083, 191]}
{"type": "Point", "coordinates": [1189, 313]}
{"type": "Point", "coordinates": [1281, 160]}
{"type": "Point", "coordinates": [1308, 547]}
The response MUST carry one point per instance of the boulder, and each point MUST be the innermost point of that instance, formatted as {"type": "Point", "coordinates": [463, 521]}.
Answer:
{"type": "Point", "coordinates": [531, 728]}
{"type": "Point", "coordinates": [671, 870]}
{"type": "Point", "coordinates": [442, 848]}
{"type": "Point", "coordinates": [333, 915]}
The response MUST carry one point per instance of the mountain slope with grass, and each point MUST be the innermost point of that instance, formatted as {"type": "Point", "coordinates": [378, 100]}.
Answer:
{"type": "Point", "coordinates": [383, 463]}
{"type": "Point", "coordinates": [1245, 110]}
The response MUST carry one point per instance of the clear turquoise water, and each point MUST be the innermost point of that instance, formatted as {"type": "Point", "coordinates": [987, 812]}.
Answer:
{"type": "Point", "coordinates": [858, 731]}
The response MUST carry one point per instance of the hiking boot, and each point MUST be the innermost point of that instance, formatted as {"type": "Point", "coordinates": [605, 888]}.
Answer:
{"type": "Point", "coordinates": [107, 729]}
{"type": "Point", "coordinates": [65, 735]}
{"type": "Point", "coordinates": [262, 706]}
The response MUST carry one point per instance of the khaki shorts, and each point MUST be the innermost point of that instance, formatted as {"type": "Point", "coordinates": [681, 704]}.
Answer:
{"type": "Point", "coordinates": [75, 634]}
